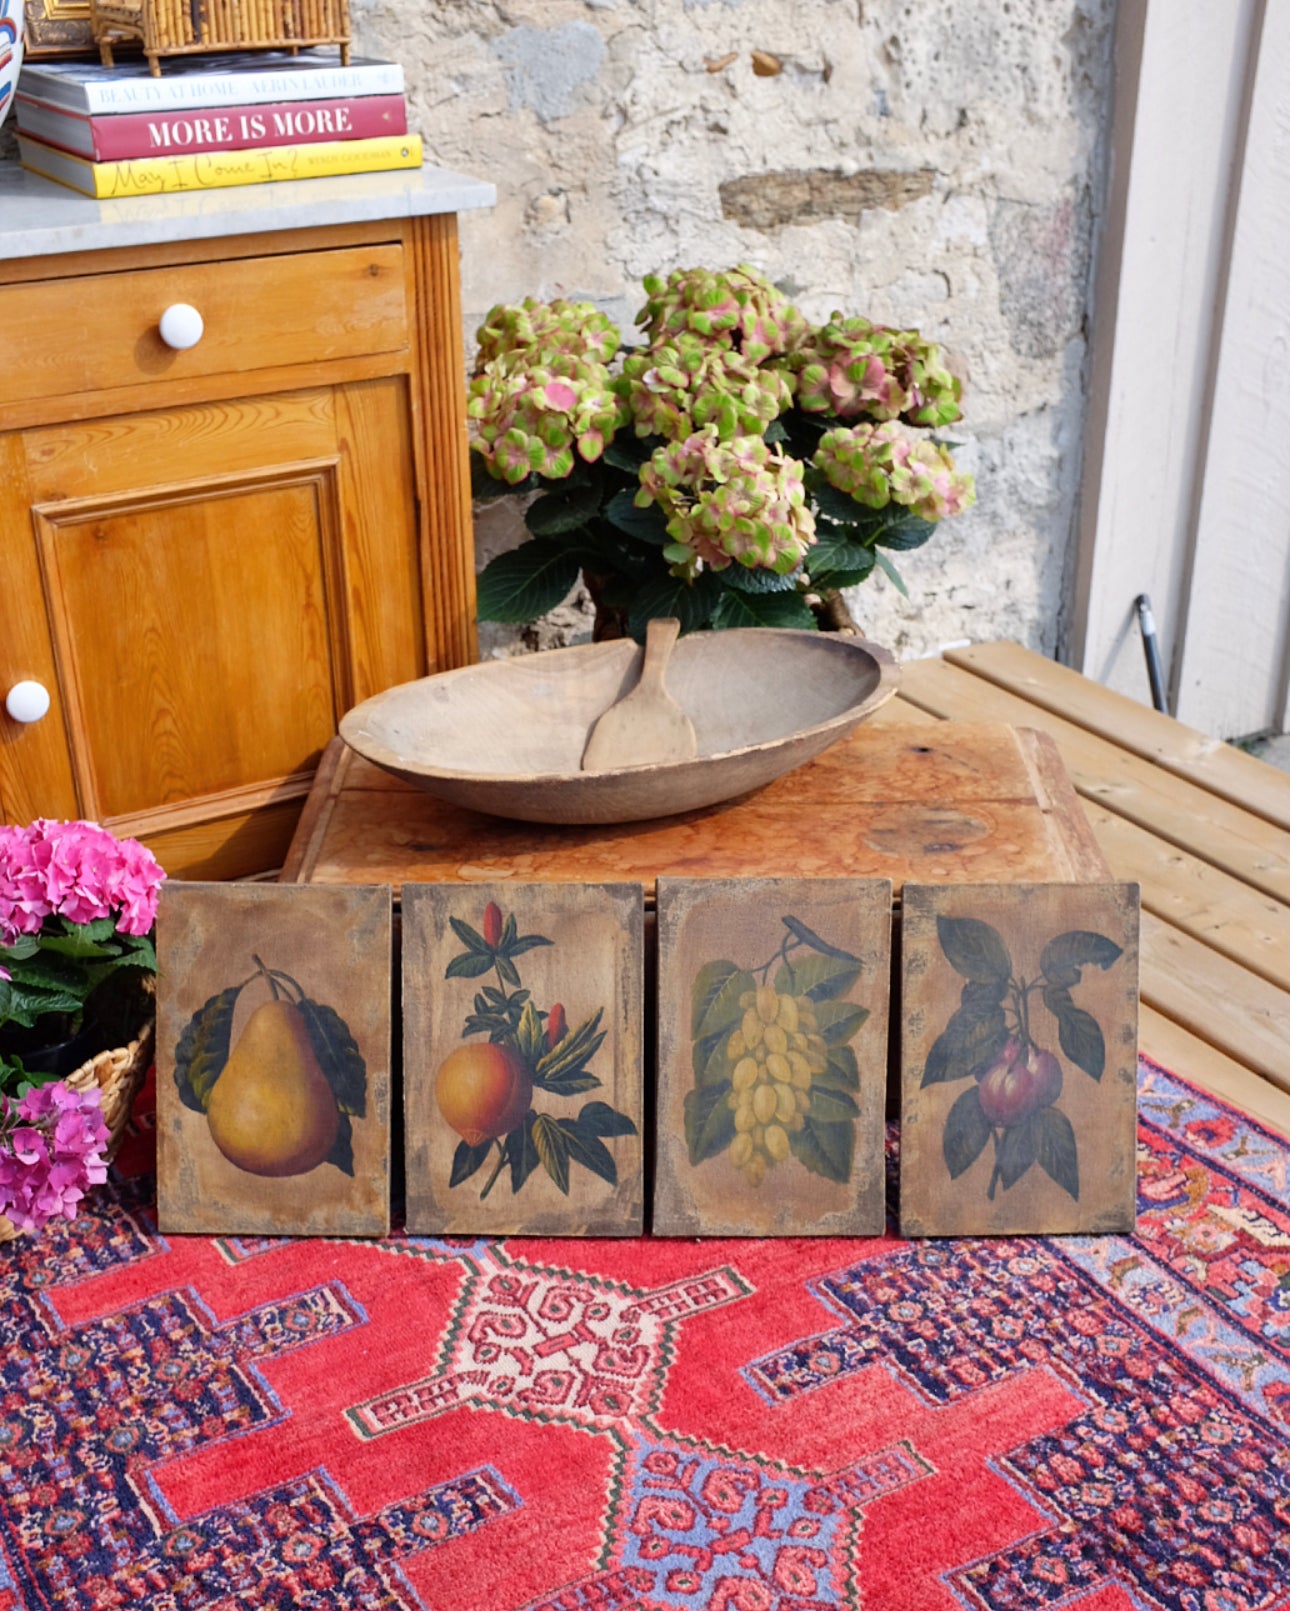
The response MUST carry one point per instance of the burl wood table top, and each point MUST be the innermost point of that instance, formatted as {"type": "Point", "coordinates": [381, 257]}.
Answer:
{"type": "Point", "coordinates": [936, 803]}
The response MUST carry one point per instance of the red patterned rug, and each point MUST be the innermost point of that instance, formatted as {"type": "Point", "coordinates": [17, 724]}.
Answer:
{"type": "Point", "coordinates": [715, 1426]}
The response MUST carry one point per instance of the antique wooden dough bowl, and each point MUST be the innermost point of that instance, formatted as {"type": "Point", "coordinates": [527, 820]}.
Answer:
{"type": "Point", "coordinates": [508, 736]}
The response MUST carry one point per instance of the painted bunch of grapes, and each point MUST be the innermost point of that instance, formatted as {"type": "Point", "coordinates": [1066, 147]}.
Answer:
{"type": "Point", "coordinates": [485, 1088]}
{"type": "Point", "coordinates": [773, 1069]}
{"type": "Point", "coordinates": [996, 1039]}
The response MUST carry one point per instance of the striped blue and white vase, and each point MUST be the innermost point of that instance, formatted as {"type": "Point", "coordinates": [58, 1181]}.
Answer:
{"type": "Point", "coordinates": [10, 51]}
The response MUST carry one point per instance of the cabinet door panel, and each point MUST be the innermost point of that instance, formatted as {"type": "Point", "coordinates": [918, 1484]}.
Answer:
{"type": "Point", "coordinates": [192, 633]}
{"type": "Point", "coordinates": [219, 584]}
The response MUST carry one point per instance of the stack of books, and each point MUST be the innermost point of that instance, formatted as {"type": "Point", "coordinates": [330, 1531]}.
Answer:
{"type": "Point", "coordinates": [239, 118]}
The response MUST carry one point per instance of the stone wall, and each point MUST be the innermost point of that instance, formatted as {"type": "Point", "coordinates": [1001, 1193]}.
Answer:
{"type": "Point", "coordinates": [935, 163]}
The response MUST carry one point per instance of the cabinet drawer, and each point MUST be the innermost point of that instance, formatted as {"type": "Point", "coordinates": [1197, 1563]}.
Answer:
{"type": "Point", "coordinates": [101, 332]}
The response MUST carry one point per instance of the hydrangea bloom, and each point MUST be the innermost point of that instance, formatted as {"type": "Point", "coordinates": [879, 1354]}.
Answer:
{"type": "Point", "coordinates": [738, 308]}
{"type": "Point", "coordinates": [543, 329]}
{"type": "Point", "coordinates": [679, 387]}
{"type": "Point", "coordinates": [531, 415]}
{"type": "Point", "coordinates": [851, 368]}
{"type": "Point", "coordinates": [729, 502]}
{"type": "Point", "coordinates": [51, 1151]}
{"type": "Point", "coordinates": [75, 870]}
{"type": "Point", "coordinates": [886, 463]}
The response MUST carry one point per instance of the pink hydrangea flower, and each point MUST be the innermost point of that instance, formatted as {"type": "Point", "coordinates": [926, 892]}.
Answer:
{"type": "Point", "coordinates": [75, 870]}
{"type": "Point", "coordinates": [51, 1151]}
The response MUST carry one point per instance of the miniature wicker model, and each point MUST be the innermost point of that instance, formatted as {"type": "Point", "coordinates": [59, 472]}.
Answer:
{"type": "Point", "coordinates": [182, 27]}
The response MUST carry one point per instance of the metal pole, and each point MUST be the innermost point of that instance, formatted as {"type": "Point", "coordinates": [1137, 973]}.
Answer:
{"type": "Point", "coordinates": [1151, 648]}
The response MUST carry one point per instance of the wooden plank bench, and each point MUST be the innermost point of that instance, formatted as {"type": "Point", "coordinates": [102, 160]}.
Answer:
{"type": "Point", "coordinates": [1203, 828]}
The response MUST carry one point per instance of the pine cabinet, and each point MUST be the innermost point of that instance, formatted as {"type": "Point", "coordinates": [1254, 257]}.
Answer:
{"type": "Point", "coordinates": [208, 553]}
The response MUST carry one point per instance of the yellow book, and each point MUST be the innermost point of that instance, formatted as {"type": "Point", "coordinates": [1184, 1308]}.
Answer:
{"type": "Point", "coordinates": [148, 176]}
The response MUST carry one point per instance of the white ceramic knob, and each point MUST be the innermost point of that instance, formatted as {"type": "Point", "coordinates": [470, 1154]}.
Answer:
{"type": "Point", "coordinates": [181, 326]}
{"type": "Point", "coordinates": [27, 701]}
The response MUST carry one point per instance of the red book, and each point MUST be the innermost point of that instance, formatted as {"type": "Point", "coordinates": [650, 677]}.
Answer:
{"type": "Point", "coordinates": [123, 136]}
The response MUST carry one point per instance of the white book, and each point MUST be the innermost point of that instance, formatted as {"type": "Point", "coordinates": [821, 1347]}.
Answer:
{"type": "Point", "coordinates": [236, 78]}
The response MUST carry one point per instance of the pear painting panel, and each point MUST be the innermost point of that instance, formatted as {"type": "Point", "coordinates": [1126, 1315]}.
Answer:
{"type": "Point", "coordinates": [772, 1056]}
{"type": "Point", "coordinates": [1018, 1059]}
{"type": "Point", "coordinates": [273, 1083]}
{"type": "Point", "coordinates": [522, 1046]}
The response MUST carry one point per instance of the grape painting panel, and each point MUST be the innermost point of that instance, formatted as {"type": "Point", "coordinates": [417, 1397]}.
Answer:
{"type": "Point", "coordinates": [772, 1056]}
{"type": "Point", "coordinates": [1018, 1058]}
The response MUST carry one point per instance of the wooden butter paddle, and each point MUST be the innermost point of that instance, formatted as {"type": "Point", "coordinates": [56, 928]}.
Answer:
{"type": "Point", "coordinates": [646, 727]}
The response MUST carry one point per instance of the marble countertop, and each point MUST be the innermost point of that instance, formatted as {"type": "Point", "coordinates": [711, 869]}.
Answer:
{"type": "Point", "coordinates": [39, 218]}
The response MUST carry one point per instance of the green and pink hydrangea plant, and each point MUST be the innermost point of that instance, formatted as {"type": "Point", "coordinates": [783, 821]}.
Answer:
{"type": "Point", "coordinates": [77, 909]}
{"type": "Point", "coordinates": [739, 467]}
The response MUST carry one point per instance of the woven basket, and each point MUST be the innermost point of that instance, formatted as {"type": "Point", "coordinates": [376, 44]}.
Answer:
{"type": "Point", "coordinates": [119, 1075]}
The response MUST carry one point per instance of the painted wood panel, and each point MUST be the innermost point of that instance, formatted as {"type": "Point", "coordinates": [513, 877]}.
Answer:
{"type": "Point", "coordinates": [273, 1060]}
{"type": "Point", "coordinates": [523, 1038]}
{"type": "Point", "coordinates": [772, 1056]}
{"type": "Point", "coordinates": [1018, 1053]}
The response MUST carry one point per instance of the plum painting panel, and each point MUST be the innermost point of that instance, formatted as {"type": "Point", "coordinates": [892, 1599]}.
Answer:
{"type": "Point", "coordinates": [1018, 1059]}
{"type": "Point", "coordinates": [273, 1060]}
{"type": "Point", "coordinates": [772, 1056]}
{"type": "Point", "coordinates": [522, 1047]}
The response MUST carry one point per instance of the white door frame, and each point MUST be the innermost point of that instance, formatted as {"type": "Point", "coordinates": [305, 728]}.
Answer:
{"type": "Point", "coordinates": [1186, 490]}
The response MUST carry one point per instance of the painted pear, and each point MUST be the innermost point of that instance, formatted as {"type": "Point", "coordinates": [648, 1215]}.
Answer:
{"type": "Point", "coordinates": [272, 1111]}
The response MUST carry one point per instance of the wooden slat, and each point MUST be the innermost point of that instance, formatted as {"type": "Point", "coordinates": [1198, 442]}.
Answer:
{"type": "Point", "coordinates": [1210, 762]}
{"type": "Point", "coordinates": [1212, 829]}
{"type": "Point", "coordinates": [1211, 906]}
{"type": "Point", "coordinates": [1217, 1000]}
{"type": "Point", "coordinates": [1178, 1050]}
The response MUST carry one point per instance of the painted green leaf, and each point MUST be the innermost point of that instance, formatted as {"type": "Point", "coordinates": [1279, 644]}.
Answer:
{"type": "Point", "coordinates": [530, 1036]}
{"type": "Point", "coordinates": [825, 1148]}
{"type": "Point", "coordinates": [714, 1000]}
{"type": "Point", "coordinates": [808, 936]}
{"type": "Point", "coordinates": [1058, 1152]}
{"type": "Point", "coordinates": [602, 1120]}
{"type": "Point", "coordinates": [572, 1052]}
{"type": "Point", "coordinates": [521, 1153]}
{"type": "Point", "coordinates": [709, 1060]}
{"type": "Point", "coordinates": [966, 1132]}
{"type": "Point", "coordinates": [466, 1160]}
{"type": "Point", "coordinates": [338, 1056]}
{"type": "Point", "coordinates": [969, 1043]}
{"type": "Point", "coordinates": [203, 1048]}
{"type": "Point", "coordinates": [830, 1104]}
{"type": "Point", "coordinates": [1063, 957]}
{"type": "Point", "coordinates": [342, 1149]}
{"type": "Point", "coordinates": [1078, 1031]}
{"type": "Point", "coordinates": [471, 938]}
{"type": "Point", "coordinates": [1017, 1151]}
{"type": "Point", "coordinates": [469, 965]}
{"type": "Point", "coordinates": [839, 1020]}
{"type": "Point", "coordinates": [822, 978]}
{"type": "Point", "coordinates": [526, 942]}
{"type": "Point", "coordinates": [974, 949]}
{"type": "Point", "coordinates": [553, 1149]}
{"type": "Point", "coordinates": [841, 1071]}
{"type": "Point", "coordinates": [709, 1122]}
{"type": "Point", "coordinates": [586, 1147]}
